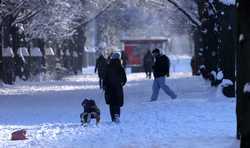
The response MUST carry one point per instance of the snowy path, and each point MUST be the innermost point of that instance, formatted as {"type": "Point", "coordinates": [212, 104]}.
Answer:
{"type": "Point", "coordinates": [199, 118]}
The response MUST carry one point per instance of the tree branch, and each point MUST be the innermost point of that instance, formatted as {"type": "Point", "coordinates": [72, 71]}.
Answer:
{"type": "Point", "coordinates": [28, 16]}
{"type": "Point", "coordinates": [16, 9]}
{"type": "Point", "coordinates": [212, 7]}
{"type": "Point", "coordinates": [194, 21]}
{"type": "Point", "coordinates": [96, 16]}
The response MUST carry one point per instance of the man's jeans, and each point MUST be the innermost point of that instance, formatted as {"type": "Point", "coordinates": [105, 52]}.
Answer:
{"type": "Point", "coordinates": [160, 83]}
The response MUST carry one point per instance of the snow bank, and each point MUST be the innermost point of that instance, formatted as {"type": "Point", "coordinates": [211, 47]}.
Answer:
{"type": "Point", "coordinates": [180, 63]}
{"type": "Point", "coordinates": [88, 70]}
{"type": "Point", "coordinates": [49, 111]}
{"type": "Point", "coordinates": [7, 52]}
{"type": "Point", "coordinates": [226, 82]}
{"type": "Point", "coordinates": [247, 88]}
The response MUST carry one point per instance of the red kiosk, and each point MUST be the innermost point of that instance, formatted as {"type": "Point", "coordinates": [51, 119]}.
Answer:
{"type": "Point", "coordinates": [136, 48]}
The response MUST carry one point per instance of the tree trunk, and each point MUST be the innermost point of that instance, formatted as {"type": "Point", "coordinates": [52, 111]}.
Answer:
{"type": "Point", "coordinates": [1, 49]}
{"type": "Point", "coordinates": [197, 57]}
{"type": "Point", "coordinates": [227, 23]}
{"type": "Point", "coordinates": [8, 74]}
{"type": "Point", "coordinates": [243, 72]}
{"type": "Point", "coordinates": [80, 40]}
{"type": "Point", "coordinates": [209, 51]}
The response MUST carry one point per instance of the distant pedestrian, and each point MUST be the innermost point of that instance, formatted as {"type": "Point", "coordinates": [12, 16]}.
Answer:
{"type": "Point", "coordinates": [75, 62]}
{"type": "Point", "coordinates": [22, 63]}
{"type": "Point", "coordinates": [100, 67]}
{"type": "Point", "coordinates": [160, 70]}
{"type": "Point", "coordinates": [194, 65]}
{"type": "Point", "coordinates": [148, 61]}
{"type": "Point", "coordinates": [124, 58]}
{"type": "Point", "coordinates": [114, 80]}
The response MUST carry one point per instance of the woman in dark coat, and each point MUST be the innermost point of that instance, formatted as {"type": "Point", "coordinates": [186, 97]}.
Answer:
{"type": "Point", "coordinates": [148, 61]}
{"type": "Point", "coordinates": [114, 80]}
{"type": "Point", "coordinates": [100, 67]}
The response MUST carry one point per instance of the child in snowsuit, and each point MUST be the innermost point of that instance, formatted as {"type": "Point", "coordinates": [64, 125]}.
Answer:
{"type": "Point", "coordinates": [90, 111]}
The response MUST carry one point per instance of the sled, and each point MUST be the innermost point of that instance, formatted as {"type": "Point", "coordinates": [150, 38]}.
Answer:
{"type": "Point", "coordinates": [19, 135]}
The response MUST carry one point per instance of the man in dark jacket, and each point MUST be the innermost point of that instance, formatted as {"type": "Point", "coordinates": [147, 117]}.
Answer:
{"type": "Point", "coordinates": [100, 67]}
{"type": "Point", "coordinates": [148, 61]}
{"type": "Point", "coordinates": [114, 80]}
{"type": "Point", "coordinates": [160, 70]}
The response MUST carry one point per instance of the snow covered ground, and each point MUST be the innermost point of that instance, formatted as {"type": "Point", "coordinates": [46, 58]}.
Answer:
{"type": "Point", "coordinates": [200, 118]}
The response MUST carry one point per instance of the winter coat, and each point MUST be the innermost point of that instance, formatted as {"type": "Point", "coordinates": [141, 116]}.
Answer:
{"type": "Point", "coordinates": [161, 66]}
{"type": "Point", "coordinates": [100, 67]}
{"type": "Point", "coordinates": [113, 82]}
{"type": "Point", "coordinates": [148, 61]}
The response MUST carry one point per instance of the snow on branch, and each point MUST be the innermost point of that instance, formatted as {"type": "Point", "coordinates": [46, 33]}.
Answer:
{"type": "Point", "coordinates": [212, 7]}
{"type": "Point", "coordinates": [247, 88]}
{"type": "Point", "coordinates": [226, 83]}
{"type": "Point", "coordinates": [61, 18]}
{"type": "Point", "coordinates": [20, 10]}
{"type": "Point", "coordinates": [16, 9]}
{"type": "Point", "coordinates": [28, 16]}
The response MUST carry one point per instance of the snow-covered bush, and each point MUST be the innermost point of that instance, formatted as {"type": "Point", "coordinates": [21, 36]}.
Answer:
{"type": "Point", "coordinates": [226, 82]}
{"type": "Point", "coordinates": [220, 75]}
{"type": "Point", "coordinates": [246, 88]}
{"type": "Point", "coordinates": [228, 88]}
